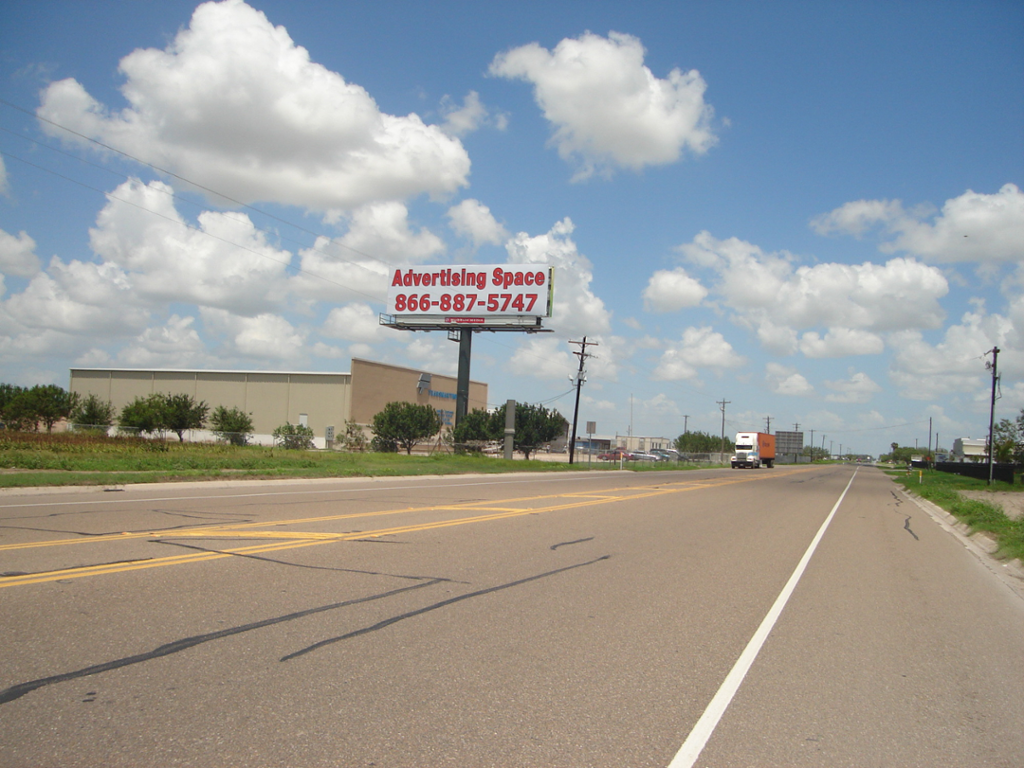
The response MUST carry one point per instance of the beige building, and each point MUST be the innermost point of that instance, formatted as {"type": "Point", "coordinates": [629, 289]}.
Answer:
{"type": "Point", "coordinates": [316, 400]}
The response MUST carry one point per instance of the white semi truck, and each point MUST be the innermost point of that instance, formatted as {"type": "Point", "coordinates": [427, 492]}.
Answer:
{"type": "Point", "coordinates": [754, 449]}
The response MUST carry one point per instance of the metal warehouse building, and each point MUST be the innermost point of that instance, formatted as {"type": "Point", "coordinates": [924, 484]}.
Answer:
{"type": "Point", "coordinates": [317, 400]}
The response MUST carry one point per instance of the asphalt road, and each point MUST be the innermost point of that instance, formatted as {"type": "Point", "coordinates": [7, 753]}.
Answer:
{"type": "Point", "coordinates": [787, 617]}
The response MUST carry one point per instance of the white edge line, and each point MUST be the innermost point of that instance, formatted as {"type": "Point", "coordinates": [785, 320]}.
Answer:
{"type": "Point", "coordinates": [701, 733]}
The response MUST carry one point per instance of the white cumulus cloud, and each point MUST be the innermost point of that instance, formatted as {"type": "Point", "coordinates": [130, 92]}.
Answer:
{"type": "Point", "coordinates": [608, 109]}
{"type": "Point", "coordinates": [354, 322]}
{"type": "Point", "coordinates": [357, 264]}
{"type": "Point", "coordinates": [263, 337]}
{"type": "Point", "coordinates": [841, 307]}
{"type": "Point", "coordinates": [956, 364]}
{"type": "Point", "coordinates": [18, 255]}
{"type": "Point", "coordinates": [670, 290]}
{"type": "Point", "coordinates": [461, 120]}
{"type": "Point", "coordinates": [783, 380]}
{"type": "Point", "coordinates": [699, 348]}
{"type": "Point", "coordinates": [474, 221]}
{"type": "Point", "coordinates": [224, 262]}
{"type": "Point", "coordinates": [859, 388]}
{"type": "Point", "coordinates": [233, 104]}
{"type": "Point", "coordinates": [577, 311]}
{"type": "Point", "coordinates": [974, 227]}
{"type": "Point", "coordinates": [841, 342]}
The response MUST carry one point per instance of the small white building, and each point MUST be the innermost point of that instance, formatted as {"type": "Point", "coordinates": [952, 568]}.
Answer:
{"type": "Point", "coordinates": [968, 449]}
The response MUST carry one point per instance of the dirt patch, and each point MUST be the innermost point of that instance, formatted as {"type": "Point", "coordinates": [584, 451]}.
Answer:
{"type": "Point", "coordinates": [1011, 503]}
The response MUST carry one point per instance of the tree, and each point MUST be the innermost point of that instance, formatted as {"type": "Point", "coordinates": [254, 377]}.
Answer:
{"type": "Point", "coordinates": [293, 436]}
{"type": "Point", "coordinates": [534, 425]}
{"type": "Point", "coordinates": [23, 409]}
{"type": "Point", "coordinates": [181, 412]}
{"type": "Point", "coordinates": [404, 424]}
{"type": "Point", "coordinates": [143, 414]}
{"type": "Point", "coordinates": [51, 403]}
{"type": "Point", "coordinates": [93, 412]}
{"type": "Point", "coordinates": [231, 424]}
{"type": "Point", "coordinates": [477, 427]}
{"type": "Point", "coordinates": [702, 442]}
{"type": "Point", "coordinates": [1007, 437]}
{"type": "Point", "coordinates": [15, 408]}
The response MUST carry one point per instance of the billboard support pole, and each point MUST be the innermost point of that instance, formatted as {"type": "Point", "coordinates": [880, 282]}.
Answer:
{"type": "Point", "coordinates": [462, 386]}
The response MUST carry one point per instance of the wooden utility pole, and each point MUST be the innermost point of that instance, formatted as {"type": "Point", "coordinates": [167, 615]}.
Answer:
{"type": "Point", "coordinates": [722, 404]}
{"type": "Point", "coordinates": [992, 409]}
{"type": "Point", "coordinates": [580, 378]}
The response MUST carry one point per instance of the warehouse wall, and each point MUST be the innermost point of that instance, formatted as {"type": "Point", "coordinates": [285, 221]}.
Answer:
{"type": "Point", "coordinates": [321, 399]}
{"type": "Point", "coordinates": [271, 398]}
{"type": "Point", "coordinates": [374, 385]}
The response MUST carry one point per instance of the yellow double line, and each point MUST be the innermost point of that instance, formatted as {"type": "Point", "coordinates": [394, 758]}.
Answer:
{"type": "Point", "coordinates": [297, 539]}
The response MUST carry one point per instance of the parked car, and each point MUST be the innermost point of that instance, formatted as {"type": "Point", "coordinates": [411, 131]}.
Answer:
{"type": "Point", "coordinates": [615, 454]}
{"type": "Point", "coordinates": [667, 454]}
{"type": "Point", "coordinates": [644, 456]}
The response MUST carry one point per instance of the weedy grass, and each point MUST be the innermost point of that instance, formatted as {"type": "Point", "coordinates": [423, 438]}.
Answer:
{"type": "Point", "coordinates": [943, 489]}
{"type": "Point", "coordinates": [31, 459]}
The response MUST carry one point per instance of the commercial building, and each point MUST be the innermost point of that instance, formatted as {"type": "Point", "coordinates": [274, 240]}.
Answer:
{"type": "Point", "coordinates": [322, 401]}
{"type": "Point", "coordinates": [968, 449]}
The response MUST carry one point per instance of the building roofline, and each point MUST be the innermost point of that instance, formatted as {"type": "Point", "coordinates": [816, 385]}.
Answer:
{"type": "Point", "coordinates": [213, 370]}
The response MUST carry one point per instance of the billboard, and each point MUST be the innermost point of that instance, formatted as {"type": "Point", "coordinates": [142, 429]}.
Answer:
{"type": "Point", "coordinates": [789, 443]}
{"type": "Point", "coordinates": [472, 295]}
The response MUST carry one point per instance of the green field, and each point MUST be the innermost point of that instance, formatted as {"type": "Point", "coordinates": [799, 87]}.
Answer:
{"type": "Point", "coordinates": [28, 459]}
{"type": "Point", "coordinates": [31, 459]}
{"type": "Point", "coordinates": [943, 489]}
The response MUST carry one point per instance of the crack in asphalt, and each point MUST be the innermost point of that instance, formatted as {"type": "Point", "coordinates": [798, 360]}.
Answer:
{"type": "Point", "coordinates": [17, 691]}
{"type": "Point", "coordinates": [442, 604]}
{"type": "Point", "coordinates": [569, 543]}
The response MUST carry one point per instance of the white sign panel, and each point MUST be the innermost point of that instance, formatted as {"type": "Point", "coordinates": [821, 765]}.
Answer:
{"type": "Point", "coordinates": [471, 293]}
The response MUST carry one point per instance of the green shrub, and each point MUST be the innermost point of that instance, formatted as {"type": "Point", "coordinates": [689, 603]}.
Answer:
{"type": "Point", "coordinates": [293, 436]}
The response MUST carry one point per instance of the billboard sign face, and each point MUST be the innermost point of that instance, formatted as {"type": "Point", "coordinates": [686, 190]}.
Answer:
{"type": "Point", "coordinates": [789, 442]}
{"type": "Point", "coordinates": [471, 295]}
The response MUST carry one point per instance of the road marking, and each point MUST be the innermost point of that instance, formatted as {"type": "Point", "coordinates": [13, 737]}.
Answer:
{"type": "Point", "coordinates": [701, 733]}
{"type": "Point", "coordinates": [298, 539]}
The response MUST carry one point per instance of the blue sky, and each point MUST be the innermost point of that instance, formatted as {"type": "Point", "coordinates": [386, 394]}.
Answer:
{"type": "Point", "coordinates": [813, 211]}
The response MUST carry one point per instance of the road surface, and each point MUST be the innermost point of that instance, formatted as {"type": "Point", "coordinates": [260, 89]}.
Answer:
{"type": "Point", "coordinates": [798, 616]}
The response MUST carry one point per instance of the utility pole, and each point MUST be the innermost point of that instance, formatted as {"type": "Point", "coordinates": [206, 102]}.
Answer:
{"type": "Point", "coordinates": [686, 418]}
{"type": "Point", "coordinates": [580, 378]}
{"type": "Point", "coordinates": [723, 403]}
{"type": "Point", "coordinates": [992, 409]}
{"type": "Point", "coordinates": [768, 425]}
{"type": "Point", "coordinates": [931, 456]}
{"type": "Point", "coordinates": [812, 445]}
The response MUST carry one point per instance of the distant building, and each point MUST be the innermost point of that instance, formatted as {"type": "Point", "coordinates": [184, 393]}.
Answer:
{"type": "Point", "coordinates": [966, 449]}
{"type": "Point", "coordinates": [316, 400]}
